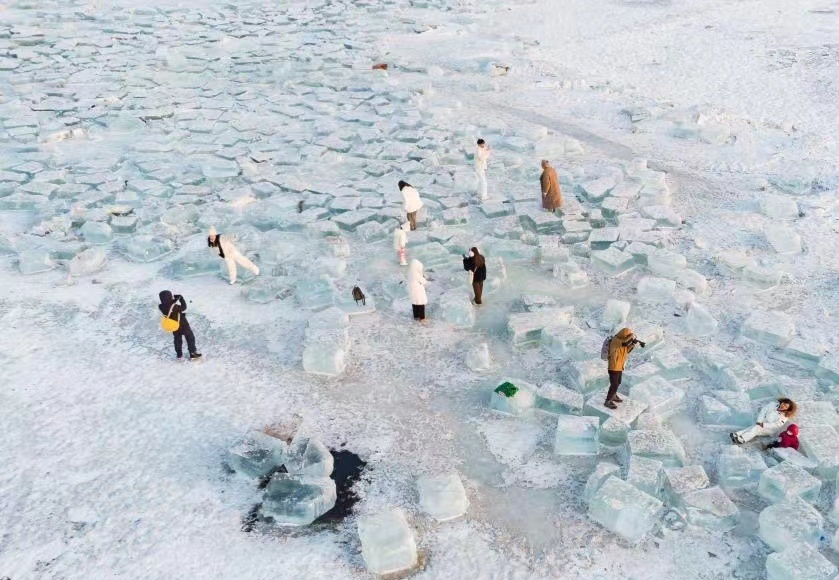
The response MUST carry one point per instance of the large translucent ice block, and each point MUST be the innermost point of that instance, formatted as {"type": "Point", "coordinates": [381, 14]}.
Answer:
{"type": "Point", "coordinates": [456, 308]}
{"type": "Point", "coordinates": [738, 469]}
{"type": "Point", "coordinates": [577, 435]}
{"type": "Point", "coordinates": [785, 481]}
{"type": "Point", "coordinates": [558, 399]}
{"type": "Point", "coordinates": [623, 509]}
{"type": "Point", "coordinates": [821, 444]}
{"type": "Point", "coordinates": [799, 562]}
{"type": "Point", "coordinates": [659, 444]}
{"type": "Point", "coordinates": [711, 508]}
{"type": "Point", "coordinates": [728, 409]}
{"type": "Point", "coordinates": [257, 455]}
{"type": "Point", "coordinates": [790, 523]}
{"type": "Point", "coordinates": [294, 500]}
{"type": "Point", "coordinates": [387, 543]}
{"type": "Point", "coordinates": [514, 397]}
{"type": "Point", "coordinates": [589, 375]}
{"type": "Point", "coordinates": [627, 412]}
{"type": "Point", "coordinates": [645, 474]}
{"type": "Point", "coordinates": [601, 473]}
{"type": "Point", "coordinates": [442, 496]}
{"type": "Point", "coordinates": [772, 328]}
{"type": "Point", "coordinates": [661, 396]}
{"type": "Point", "coordinates": [679, 481]}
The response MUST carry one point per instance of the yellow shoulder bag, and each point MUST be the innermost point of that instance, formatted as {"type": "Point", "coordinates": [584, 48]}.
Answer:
{"type": "Point", "coordinates": [171, 324]}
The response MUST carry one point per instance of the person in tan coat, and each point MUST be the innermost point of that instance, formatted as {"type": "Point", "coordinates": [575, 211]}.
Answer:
{"type": "Point", "coordinates": [619, 348]}
{"type": "Point", "coordinates": [551, 194]}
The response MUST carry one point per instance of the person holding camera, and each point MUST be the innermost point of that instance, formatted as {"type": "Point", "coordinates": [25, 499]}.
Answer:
{"type": "Point", "coordinates": [476, 265]}
{"type": "Point", "coordinates": [174, 307]}
{"type": "Point", "coordinates": [619, 348]}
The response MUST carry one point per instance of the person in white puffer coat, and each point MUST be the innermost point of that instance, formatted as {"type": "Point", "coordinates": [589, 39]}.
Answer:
{"type": "Point", "coordinates": [769, 423]}
{"type": "Point", "coordinates": [400, 243]}
{"type": "Point", "coordinates": [416, 289]}
{"type": "Point", "coordinates": [227, 250]}
{"type": "Point", "coordinates": [412, 200]}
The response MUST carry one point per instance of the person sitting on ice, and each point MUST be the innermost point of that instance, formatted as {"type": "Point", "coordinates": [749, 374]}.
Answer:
{"type": "Point", "coordinates": [788, 438]}
{"type": "Point", "coordinates": [769, 421]}
{"type": "Point", "coordinates": [400, 242]}
{"type": "Point", "coordinates": [227, 250]}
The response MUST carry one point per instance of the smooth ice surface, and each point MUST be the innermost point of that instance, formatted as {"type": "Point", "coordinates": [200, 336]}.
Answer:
{"type": "Point", "coordinates": [653, 290]}
{"type": "Point", "coordinates": [661, 396]}
{"type": "Point", "coordinates": [726, 409]}
{"type": "Point", "coordinates": [442, 496]}
{"type": "Point", "coordinates": [646, 474]}
{"type": "Point", "coordinates": [623, 509]}
{"type": "Point", "coordinates": [711, 508]}
{"type": "Point", "coordinates": [478, 357]}
{"type": "Point", "coordinates": [577, 435]}
{"type": "Point", "coordinates": [613, 261]}
{"type": "Point", "coordinates": [799, 562]}
{"type": "Point", "coordinates": [627, 412]}
{"type": "Point", "coordinates": [660, 444]}
{"type": "Point", "coordinates": [738, 468]}
{"type": "Point", "coordinates": [700, 322]}
{"type": "Point", "coordinates": [298, 500]}
{"type": "Point", "coordinates": [558, 399]}
{"type": "Point", "coordinates": [387, 542]}
{"type": "Point", "coordinates": [772, 328]}
{"type": "Point", "coordinates": [615, 315]}
{"type": "Point", "coordinates": [821, 444]}
{"type": "Point", "coordinates": [785, 481]}
{"type": "Point", "coordinates": [790, 523]}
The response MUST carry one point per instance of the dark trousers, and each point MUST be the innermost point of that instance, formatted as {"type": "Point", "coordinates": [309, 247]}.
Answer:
{"type": "Point", "coordinates": [614, 383]}
{"type": "Point", "coordinates": [184, 331]}
{"type": "Point", "coordinates": [412, 219]}
{"type": "Point", "coordinates": [478, 287]}
{"type": "Point", "coordinates": [419, 311]}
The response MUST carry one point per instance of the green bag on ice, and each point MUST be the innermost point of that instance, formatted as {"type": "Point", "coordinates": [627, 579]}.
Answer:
{"type": "Point", "coordinates": [507, 389]}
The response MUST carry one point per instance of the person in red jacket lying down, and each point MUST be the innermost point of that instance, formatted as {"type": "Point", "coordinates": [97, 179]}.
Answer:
{"type": "Point", "coordinates": [788, 438]}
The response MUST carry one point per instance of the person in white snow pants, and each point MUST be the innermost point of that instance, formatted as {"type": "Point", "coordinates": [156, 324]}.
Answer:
{"type": "Point", "coordinates": [481, 158]}
{"type": "Point", "coordinates": [227, 250]}
{"type": "Point", "coordinates": [412, 202]}
{"type": "Point", "coordinates": [416, 289]}
{"type": "Point", "coordinates": [400, 242]}
{"type": "Point", "coordinates": [770, 420]}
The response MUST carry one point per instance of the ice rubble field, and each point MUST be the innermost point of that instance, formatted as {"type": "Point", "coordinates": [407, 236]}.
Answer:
{"type": "Point", "coordinates": [698, 165]}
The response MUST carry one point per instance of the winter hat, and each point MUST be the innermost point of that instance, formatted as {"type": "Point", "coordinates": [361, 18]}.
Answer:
{"type": "Point", "coordinates": [793, 430]}
{"type": "Point", "coordinates": [212, 232]}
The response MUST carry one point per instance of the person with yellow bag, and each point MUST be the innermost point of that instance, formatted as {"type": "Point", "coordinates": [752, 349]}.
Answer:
{"type": "Point", "coordinates": [174, 320]}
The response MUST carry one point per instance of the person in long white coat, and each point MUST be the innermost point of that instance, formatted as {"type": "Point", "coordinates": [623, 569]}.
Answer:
{"type": "Point", "coordinates": [400, 243]}
{"type": "Point", "coordinates": [770, 421]}
{"type": "Point", "coordinates": [227, 250]}
{"type": "Point", "coordinates": [481, 162]}
{"type": "Point", "coordinates": [416, 289]}
{"type": "Point", "coordinates": [412, 202]}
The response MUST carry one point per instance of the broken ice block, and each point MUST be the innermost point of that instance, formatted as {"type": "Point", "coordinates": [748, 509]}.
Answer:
{"type": "Point", "coordinates": [790, 523]}
{"type": "Point", "coordinates": [659, 444]}
{"type": "Point", "coordinates": [778, 207]}
{"type": "Point", "coordinates": [805, 352]}
{"type": "Point", "coordinates": [601, 473]}
{"type": "Point", "coordinates": [679, 481]}
{"type": "Point", "coordinates": [664, 215]}
{"type": "Point", "coordinates": [626, 412]}
{"type": "Point", "coordinates": [692, 280]}
{"type": "Point", "coordinates": [96, 232]}
{"type": "Point", "coordinates": [794, 457]}
{"type": "Point", "coordinates": [774, 328]}
{"type": "Point", "coordinates": [315, 461]}
{"type": "Point", "coordinates": [661, 397]}
{"type": "Point", "coordinates": [326, 343]}
{"type": "Point", "coordinates": [785, 481]}
{"type": "Point", "coordinates": [88, 262]}
{"type": "Point", "coordinates": [711, 508]}
{"type": "Point", "coordinates": [729, 409]}
{"type": "Point", "coordinates": [699, 321]}
{"type": "Point", "coordinates": [146, 248]}
{"type": "Point", "coordinates": [651, 289]}
{"type": "Point", "coordinates": [615, 315]}
{"type": "Point", "coordinates": [800, 562]}
{"type": "Point", "coordinates": [456, 308]}
{"type": "Point", "coordinates": [738, 469]}
{"type": "Point", "coordinates": [666, 264]}
{"type": "Point", "coordinates": [597, 189]}
{"type": "Point", "coordinates": [442, 496]}
{"type": "Point", "coordinates": [513, 397]}
{"type": "Point", "coordinates": [35, 261]}
{"type": "Point", "coordinates": [623, 509]}
{"type": "Point", "coordinates": [526, 327]}
{"type": "Point", "coordinates": [557, 399]}
{"type": "Point", "coordinates": [577, 435]}
{"type": "Point", "coordinates": [673, 365]}
{"type": "Point", "coordinates": [257, 455]}
{"type": "Point", "coordinates": [645, 474]}
{"type": "Point", "coordinates": [588, 375]}
{"type": "Point", "coordinates": [570, 274]}
{"type": "Point", "coordinates": [478, 358]}
{"type": "Point", "coordinates": [601, 239]}
{"type": "Point", "coordinates": [295, 500]}
{"type": "Point", "coordinates": [387, 543]}
{"type": "Point", "coordinates": [613, 261]}
{"type": "Point", "coordinates": [783, 240]}
{"type": "Point", "coordinates": [816, 413]}
{"type": "Point", "coordinates": [821, 444]}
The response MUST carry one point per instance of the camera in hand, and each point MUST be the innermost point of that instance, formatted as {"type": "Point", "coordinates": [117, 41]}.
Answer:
{"type": "Point", "coordinates": [642, 343]}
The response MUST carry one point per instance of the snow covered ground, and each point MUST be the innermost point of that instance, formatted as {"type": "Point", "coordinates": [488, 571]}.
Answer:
{"type": "Point", "coordinates": [163, 120]}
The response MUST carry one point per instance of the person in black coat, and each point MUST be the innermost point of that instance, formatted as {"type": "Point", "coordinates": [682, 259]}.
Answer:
{"type": "Point", "coordinates": [174, 308]}
{"type": "Point", "coordinates": [475, 263]}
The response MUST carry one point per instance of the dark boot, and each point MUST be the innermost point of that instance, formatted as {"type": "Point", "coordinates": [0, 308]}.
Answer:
{"type": "Point", "coordinates": [610, 405]}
